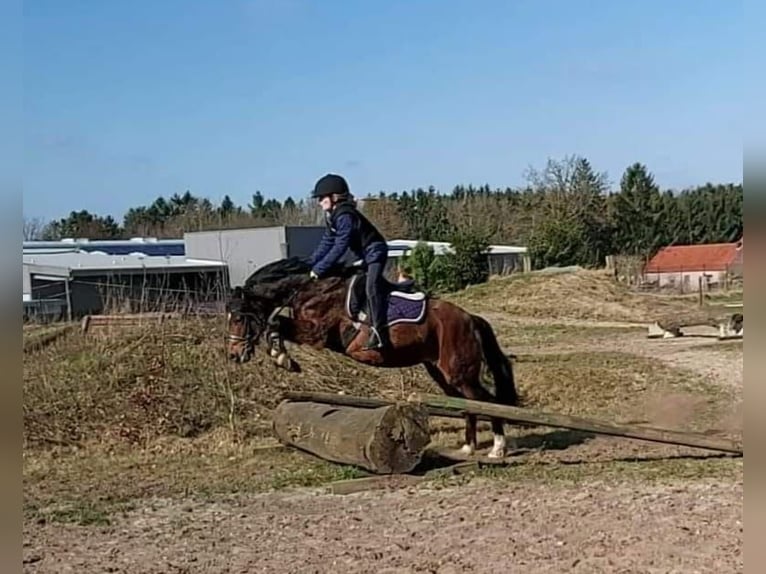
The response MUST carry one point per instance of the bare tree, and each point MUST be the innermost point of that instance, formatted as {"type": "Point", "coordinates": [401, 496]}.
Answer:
{"type": "Point", "coordinates": [33, 228]}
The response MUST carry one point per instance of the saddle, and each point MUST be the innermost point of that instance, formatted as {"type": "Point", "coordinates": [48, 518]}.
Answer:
{"type": "Point", "coordinates": [403, 302]}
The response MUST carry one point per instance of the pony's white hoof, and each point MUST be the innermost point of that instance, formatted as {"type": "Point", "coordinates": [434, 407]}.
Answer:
{"type": "Point", "coordinates": [283, 360]}
{"type": "Point", "coordinates": [496, 453]}
{"type": "Point", "coordinates": [466, 449]}
{"type": "Point", "coordinates": [498, 448]}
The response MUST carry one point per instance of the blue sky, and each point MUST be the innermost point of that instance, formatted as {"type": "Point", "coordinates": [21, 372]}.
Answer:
{"type": "Point", "coordinates": [126, 101]}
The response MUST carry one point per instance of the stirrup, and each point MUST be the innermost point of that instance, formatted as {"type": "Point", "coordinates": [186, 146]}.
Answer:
{"type": "Point", "coordinates": [374, 340]}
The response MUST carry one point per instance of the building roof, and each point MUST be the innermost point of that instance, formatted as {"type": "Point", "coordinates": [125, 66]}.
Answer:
{"type": "Point", "coordinates": [401, 246]}
{"type": "Point", "coordinates": [145, 245]}
{"type": "Point", "coordinates": [66, 263]}
{"type": "Point", "coordinates": [706, 257]}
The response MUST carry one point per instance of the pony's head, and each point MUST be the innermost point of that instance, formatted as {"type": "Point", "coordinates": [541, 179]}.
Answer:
{"type": "Point", "coordinates": [249, 308]}
{"type": "Point", "coordinates": [246, 320]}
{"type": "Point", "coordinates": [252, 307]}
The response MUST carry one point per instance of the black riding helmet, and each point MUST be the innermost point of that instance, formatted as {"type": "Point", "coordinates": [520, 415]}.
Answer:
{"type": "Point", "coordinates": [330, 184]}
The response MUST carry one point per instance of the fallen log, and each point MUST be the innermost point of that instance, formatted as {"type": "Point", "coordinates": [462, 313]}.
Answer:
{"type": "Point", "coordinates": [37, 342]}
{"type": "Point", "coordinates": [670, 326]}
{"type": "Point", "coordinates": [519, 415]}
{"type": "Point", "coordinates": [384, 440]}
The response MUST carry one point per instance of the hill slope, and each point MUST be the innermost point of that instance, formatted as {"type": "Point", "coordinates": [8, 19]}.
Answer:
{"type": "Point", "coordinates": [579, 294]}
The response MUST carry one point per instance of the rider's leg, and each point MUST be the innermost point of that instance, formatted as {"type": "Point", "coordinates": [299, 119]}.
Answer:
{"type": "Point", "coordinates": [377, 304]}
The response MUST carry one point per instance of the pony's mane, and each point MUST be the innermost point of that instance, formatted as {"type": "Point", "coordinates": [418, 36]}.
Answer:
{"type": "Point", "coordinates": [274, 280]}
{"type": "Point", "coordinates": [277, 271]}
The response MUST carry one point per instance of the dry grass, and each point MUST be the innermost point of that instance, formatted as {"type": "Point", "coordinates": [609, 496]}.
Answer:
{"type": "Point", "coordinates": [38, 337]}
{"type": "Point", "coordinates": [515, 334]}
{"type": "Point", "coordinates": [174, 380]}
{"type": "Point", "coordinates": [660, 469]}
{"type": "Point", "coordinates": [159, 381]}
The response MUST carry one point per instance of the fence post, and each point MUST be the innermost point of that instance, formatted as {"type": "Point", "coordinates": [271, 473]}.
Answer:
{"type": "Point", "coordinates": [526, 262]}
{"type": "Point", "coordinates": [68, 293]}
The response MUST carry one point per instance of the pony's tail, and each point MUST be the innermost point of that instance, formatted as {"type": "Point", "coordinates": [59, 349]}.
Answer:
{"type": "Point", "coordinates": [498, 363]}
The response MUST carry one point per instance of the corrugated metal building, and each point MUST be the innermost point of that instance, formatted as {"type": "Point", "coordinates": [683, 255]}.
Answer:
{"type": "Point", "coordinates": [143, 245]}
{"type": "Point", "coordinates": [71, 285]}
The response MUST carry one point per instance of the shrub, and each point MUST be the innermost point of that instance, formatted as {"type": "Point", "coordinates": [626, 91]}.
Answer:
{"type": "Point", "coordinates": [465, 265]}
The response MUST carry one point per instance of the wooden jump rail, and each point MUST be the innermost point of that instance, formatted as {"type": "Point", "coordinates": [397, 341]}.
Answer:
{"type": "Point", "coordinates": [438, 405]}
{"type": "Point", "coordinates": [365, 402]}
{"type": "Point", "coordinates": [136, 319]}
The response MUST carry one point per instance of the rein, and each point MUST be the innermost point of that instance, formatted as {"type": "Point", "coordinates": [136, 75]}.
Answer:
{"type": "Point", "coordinates": [279, 309]}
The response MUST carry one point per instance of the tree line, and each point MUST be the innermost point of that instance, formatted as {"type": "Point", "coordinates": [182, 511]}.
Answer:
{"type": "Point", "coordinates": [566, 214]}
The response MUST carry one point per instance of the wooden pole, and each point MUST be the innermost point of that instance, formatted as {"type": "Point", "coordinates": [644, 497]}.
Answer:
{"type": "Point", "coordinates": [383, 440]}
{"type": "Point", "coordinates": [68, 300]}
{"type": "Point", "coordinates": [519, 415]}
{"type": "Point", "coordinates": [443, 406]}
{"type": "Point", "coordinates": [364, 402]}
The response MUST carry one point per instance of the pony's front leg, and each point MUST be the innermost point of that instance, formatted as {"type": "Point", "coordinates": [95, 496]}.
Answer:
{"type": "Point", "coordinates": [301, 331]}
{"type": "Point", "coordinates": [276, 344]}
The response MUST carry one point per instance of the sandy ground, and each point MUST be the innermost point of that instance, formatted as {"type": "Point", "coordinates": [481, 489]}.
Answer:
{"type": "Point", "coordinates": [690, 526]}
{"type": "Point", "coordinates": [480, 527]}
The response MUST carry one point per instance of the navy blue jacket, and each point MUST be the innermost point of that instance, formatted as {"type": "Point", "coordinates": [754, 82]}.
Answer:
{"type": "Point", "coordinates": [347, 229]}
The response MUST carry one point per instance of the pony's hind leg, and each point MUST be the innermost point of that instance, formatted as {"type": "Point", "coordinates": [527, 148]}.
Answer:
{"type": "Point", "coordinates": [469, 444]}
{"type": "Point", "coordinates": [474, 391]}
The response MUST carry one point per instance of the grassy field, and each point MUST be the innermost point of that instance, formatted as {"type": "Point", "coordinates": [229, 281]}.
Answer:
{"type": "Point", "coordinates": [114, 421]}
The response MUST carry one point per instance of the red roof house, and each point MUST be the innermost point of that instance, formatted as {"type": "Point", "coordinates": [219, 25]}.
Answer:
{"type": "Point", "coordinates": [715, 257]}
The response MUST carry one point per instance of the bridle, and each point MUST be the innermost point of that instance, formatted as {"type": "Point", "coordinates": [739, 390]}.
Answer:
{"type": "Point", "coordinates": [250, 336]}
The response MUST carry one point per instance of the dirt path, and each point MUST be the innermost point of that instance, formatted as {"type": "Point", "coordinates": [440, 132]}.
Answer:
{"type": "Point", "coordinates": [723, 365]}
{"type": "Point", "coordinates": [480, 527]}
{"type": "Point", "coordinates": [699, 351]}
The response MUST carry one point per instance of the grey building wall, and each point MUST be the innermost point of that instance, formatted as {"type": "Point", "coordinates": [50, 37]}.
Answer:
{"type": "Point", "coordinates": [243, 250]}
{"type": "Point", "coordinates": [26, 280]}
{"type": "Point", "coordinates": [302, 240]}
